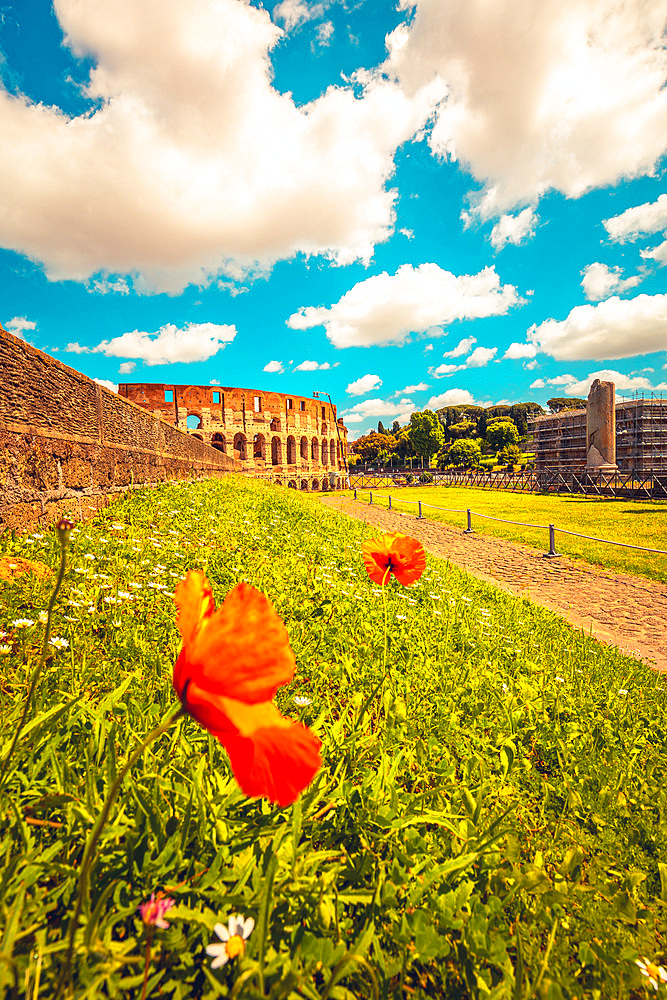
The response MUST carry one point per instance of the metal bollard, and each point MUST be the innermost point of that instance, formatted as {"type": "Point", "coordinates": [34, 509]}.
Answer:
{"type": "Point", "coordinates": [390, 503]}
{"type": "Point", "coordinates": [355, 492]}
{"type": "Point", "coordinates": [468, 530]}
{"type": "Point", "coordinates": [420, 516]}
{"type": "Point", "coordinates": [371, 498]}
{"type": "Point", "coordinates": [551, 554]}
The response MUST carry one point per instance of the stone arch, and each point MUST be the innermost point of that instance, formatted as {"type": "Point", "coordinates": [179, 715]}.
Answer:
{"type": "Point", "coordinates": [316, 485]}
{"type": "Point", "coordinates": [275, 425]}
{"type": "Point", "coordinates": [291, 484]}
{"type": "Point", "coordinates": [276, 451]}
{"type": "Point", "coordinates": [304, 484]}
{"type": "Point", "coordinates": [315, 450]}
{"type": "Point", "coordinates": [303, 447]}
{"type": "Point", "coordinates": [193, 421]}
{"type": "Point", "coordinates": [291, 450]}
{"type": "Point", "coordinates": [332, 453]}
{"type": "Point", "coordinates": [259, 448]}
{"type": "Point", "coordinates": [198, 436]}
{"type": "Point", "coordinates": [325, 484]}
{"type": "Point", "coordinates": [240, 446]}
{"type": "Point", "coordinates": [218, 441]}
{"type": "Point", "coordinates": [325, 452]}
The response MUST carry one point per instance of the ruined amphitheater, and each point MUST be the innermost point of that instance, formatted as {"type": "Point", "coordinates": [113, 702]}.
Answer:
{"type": "Point", "coordinates": [294, 440]}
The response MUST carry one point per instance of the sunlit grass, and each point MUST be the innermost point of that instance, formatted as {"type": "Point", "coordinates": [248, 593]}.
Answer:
{"type": "Point", "coordinates": [635, 522]}
{"type": "Point", "coordinates": [506, 785]}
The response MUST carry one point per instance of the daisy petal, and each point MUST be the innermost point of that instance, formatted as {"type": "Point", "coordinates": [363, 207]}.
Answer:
{"type": "Point", "coordinates": [248, 928]}
{"type": "Point", "coordinates": [222, 933]}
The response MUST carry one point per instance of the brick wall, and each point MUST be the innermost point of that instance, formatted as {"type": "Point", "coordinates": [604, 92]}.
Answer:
{"type": "Point", "coordinates": [67, 443]}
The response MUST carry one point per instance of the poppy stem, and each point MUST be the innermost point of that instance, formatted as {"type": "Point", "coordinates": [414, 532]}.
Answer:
{"type": "Point", "coordinates": [149, 941]}
{"type": "Point", "coordinates": [89, 853]}
{"type": "Point", "coordinates": [63, 536]}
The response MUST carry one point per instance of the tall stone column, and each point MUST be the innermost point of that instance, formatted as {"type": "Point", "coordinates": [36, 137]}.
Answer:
{"type": "Point", "coordinates": [601, 427]}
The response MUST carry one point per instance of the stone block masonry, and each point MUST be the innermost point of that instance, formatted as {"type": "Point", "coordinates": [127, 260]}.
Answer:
{"type": "Point", "coordinates": [68, 444]}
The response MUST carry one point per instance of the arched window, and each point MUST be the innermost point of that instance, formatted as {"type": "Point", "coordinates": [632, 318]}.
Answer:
{"type": "Point", "coordinates": [240, 447]}
{"type": "Point", "coordinates": [291, 484]}
{"type": "Point", "coordinates": [325, 451]}
{"type": "Point", "coordinates": [275, 424]}
{"type": "Point", "coordinates": [276, 451]}
{"type": "Point", "coordinates": [316, 484]}
{"type": "Point", "coordinates": [304, 450]}
{"type": "Point", "coordinates": [218, 441]}
{"type": "Point", "coordinates": [194, 421]}
{"type": "Point", "coordinates": [315, 450]}
{"type": "Point", "coordinates": [291, 450]}
{"type": "Point", "coordinates": [259, 448]}
{"type": "Point", "coordinates": [304, 484]}
{"type": "Point", "coordinates": [332, 452]}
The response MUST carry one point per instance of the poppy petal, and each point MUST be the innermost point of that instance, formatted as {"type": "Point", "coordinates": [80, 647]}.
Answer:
{"type": "Point", "coordinates": [194, 599]}
{"type": "Point", "coordinates": [242, 650]}
{"type": "Point", "coordinates": [270, 755]}
{"type": "Point", "coordinates": [408, 559]}
{"type": "Point", "coordinates": [376, 558]}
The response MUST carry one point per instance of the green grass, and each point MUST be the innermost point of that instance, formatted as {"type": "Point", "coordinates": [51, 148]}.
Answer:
{"type": "Point", "coordinates": [635, 522]}
{"type": "Point", "coordinates": [495, 827]}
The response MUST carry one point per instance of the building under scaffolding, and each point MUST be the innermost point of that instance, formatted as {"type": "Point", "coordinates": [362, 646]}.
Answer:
{"type": "Point", "coordinates": [560, 440]}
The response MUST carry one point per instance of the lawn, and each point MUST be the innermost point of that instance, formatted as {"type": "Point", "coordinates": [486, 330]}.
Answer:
{"type": "Point", "coordinates": [489, 820]}
{"type": "Point", "coordinates": [637, 522]}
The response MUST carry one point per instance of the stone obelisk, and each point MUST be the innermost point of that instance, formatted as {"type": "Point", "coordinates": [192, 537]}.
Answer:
{"type": "Point", "coordinates": [601, 428]}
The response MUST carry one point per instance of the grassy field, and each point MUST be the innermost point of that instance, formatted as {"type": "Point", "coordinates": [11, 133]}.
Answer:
{"type": "Point", "coordinates": [493, 826]}
{"type": "Point", "coordinates": [635, 522]}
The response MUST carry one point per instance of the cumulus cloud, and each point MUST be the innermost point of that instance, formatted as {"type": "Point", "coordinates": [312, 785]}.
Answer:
{"type": "Point", "coordinates": [314, 366]}
{"type": "Point", "coordinates": [112, 386]}
{"type": "Point", "coordinates": [274, 366]}
{"type": "Point", "coordinates": [367, 383]}
{"type": "Point", "coordinates": [127, 367]}
{"type": "Point", "coordinates": [542, 383]}
{"type": "Point", "coordinates": [615, 328]}
{"type": "Point", "coordinates": [461, 348]}
{"type": "Point", "coordinates": [514, 229]}
{"type": "Point", "coordinates": [622, 382]}
{"type": "Point", "coordinates": [325, 33]}
{"type": "Point", "coordinates": [573, 98]}
{"type": "Point", "coordinates": [18, 326]}
{"type": "Point", "coordinates": [189, 163]}
{"type": "Point", "coordinates": [516, 351]}
{"type": "Point", "coordinates": [106, 285]}
{"type": "Point", "coordinates": [409, 389]}
{"type": "Point", "coordinates": [378, 408]}
{"type": "Point", "coordinates": [387, 309]}
{"type": "Point", "coordinates": [642, 220]}
{"type": "Point", "coordinates": [170, 345]}
{"type": "Point", "coordinates": [452, 397]}
{"type": "Point", "coordinates": [478, 359]}
{"type": "Point", "coordinates": [295, 12]}
{"type": "Point", "coordinates": [599, 281]}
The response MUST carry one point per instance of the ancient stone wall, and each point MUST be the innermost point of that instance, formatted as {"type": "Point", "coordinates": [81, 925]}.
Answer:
{"type": "Point", "coordinates": [67, 443]}
{"type": "Point", "coordinates": [296, 440]}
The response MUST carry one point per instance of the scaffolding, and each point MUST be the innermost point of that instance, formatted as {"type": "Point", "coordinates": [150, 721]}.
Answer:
{"type": "Point", "coordinates": [559, 440]}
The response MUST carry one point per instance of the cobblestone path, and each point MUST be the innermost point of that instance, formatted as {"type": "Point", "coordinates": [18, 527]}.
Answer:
{"type": "Point", "coordinates": [625, 611]}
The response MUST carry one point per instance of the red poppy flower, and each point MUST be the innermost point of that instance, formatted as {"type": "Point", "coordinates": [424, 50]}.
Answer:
{"type": "Point", "coordinates": [231, 663]}
{"type": "Point", "coordinates": [394, 553]}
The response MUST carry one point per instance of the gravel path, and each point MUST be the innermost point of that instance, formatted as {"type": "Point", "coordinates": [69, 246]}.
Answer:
{"type": "Point", "coordinates": [625, 611]}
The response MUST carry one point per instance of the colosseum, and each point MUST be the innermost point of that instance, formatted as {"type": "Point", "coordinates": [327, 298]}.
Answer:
{"type": "Point", "coordinates": [294, 440]}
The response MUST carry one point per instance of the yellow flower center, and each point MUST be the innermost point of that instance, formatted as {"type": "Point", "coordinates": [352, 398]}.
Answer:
{"type": "Point", "coordinates": [652, 970]}
{"type": "Point", "coordinates": [235, 946]}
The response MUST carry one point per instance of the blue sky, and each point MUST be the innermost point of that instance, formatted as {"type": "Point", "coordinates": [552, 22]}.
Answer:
{"type": "Point", "coordinates": [404, 204]}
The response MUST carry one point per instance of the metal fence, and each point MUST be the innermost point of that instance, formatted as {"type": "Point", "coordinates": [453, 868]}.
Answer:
{"type": "Point", "coordinates": [610, 485]}
{"type": "Point", "coordinates": [469, 530]}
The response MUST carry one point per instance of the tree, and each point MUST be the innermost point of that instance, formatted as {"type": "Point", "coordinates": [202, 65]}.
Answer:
{"type": "Point", "coordinates": [501, 433]}
{"type": "Point", "coordinates": [464, 429]}
{"type": "Point", "coordinates": [558, 403]}
{"type": "Point", "coordinates": [369, 446]}
{"type": "Point", "coordinates": [510, 455]}
{"type": "Point", "coordinates": [465, 452]}
{"type": "Point", "coordinates": [395, 427]}
{"type": "Point", "coordinates": [426, 433]}
{"type": "Point", "coordinates": [381, 428]}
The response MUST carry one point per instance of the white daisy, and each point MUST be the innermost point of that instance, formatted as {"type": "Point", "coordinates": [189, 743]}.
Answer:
{"type": "Point", "coordinates": [654, 973]}
{"type": "Point", "coordinates": [301, 702]}
{"type": "Point", "coordinates": [22, 623]}
{"type": "Point", "coordinates": [233, 938]}
{"type": "Point", "coordinates": [58, 642]}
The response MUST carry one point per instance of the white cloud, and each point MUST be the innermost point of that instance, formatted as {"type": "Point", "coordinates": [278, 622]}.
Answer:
{"type": "Point", "coordinates": [127, 367]}
{"type": "Point", "coordinates": [295, 12]}
{"type": "Point", "coordinates": [170, 345]}
{"type": "Point", "coordinates": [516, 351]}
{"type": "Point", "coordinates": [542, 383]}
{"type": "Point", "coordinates": [443, 370]}
{"type": "Point", "coordinates": [452, 397]}
{"type": "Point", "coordinates": [314, 366]}
{"type": "Point", "coordinates": [641, 220]}
{"type": "Point", "coordinates": [274, 366]}
{"type": "Point", "coordinates": [106, 285]}
{"type": "Point", "coordinates": [658, 254]}
{"type": "Point", "coordinates": [581, 387]}
{"type": "Point", "coordinates": [461, 348]}
{"type": "Point", "coordinates": [378, 408]}
{"type": "Point", "coordinates": [539, 383]}
{"type": "Point", "coordinates": [325, 33]}
{"type": "Point", "coordinates": [573, 98]}
{"type": "Point", "coordinates": [189, 163]}
{"type": "Point", "coordinates": [18, 326]}
{"type": "Point", "coordinates": [615, 328]}
{"type": "Point", "coordinates": [113, 386]}
{"type": "Point", "coordinates": [386, 309]}
{"type": "Point", "coordinates": [531, 364]}
{"type": "Point", "coordinates": [367, 383]}
{"type": "Point", "coordinates": [478, 359]}
{"type": "Point", "coordinates": [215, 381]}
{"type": "Point", "coordinates": [514, 229]}
{"type": "Point", "coordinates": [429, 347]}
{"type": "Point", "coordinates": [409, 389]}
{"type": "Point", "coordinates": [599, 281]}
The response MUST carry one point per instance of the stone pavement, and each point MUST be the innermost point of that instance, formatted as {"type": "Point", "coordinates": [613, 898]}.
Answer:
{"type": "Point", "coordinates": [625, 611]}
